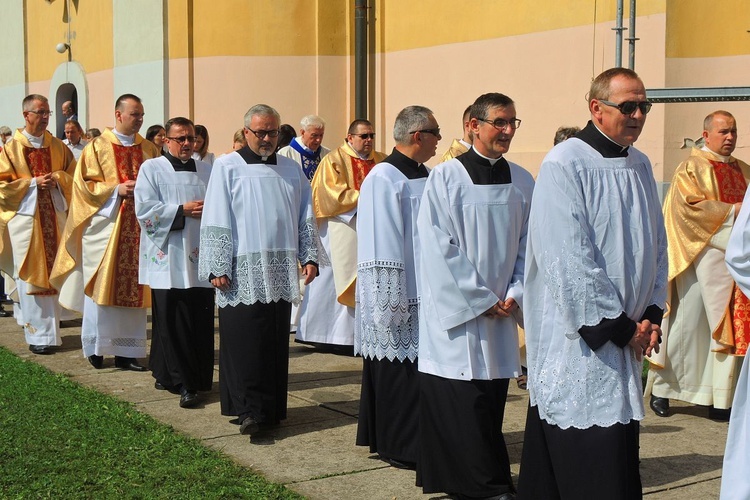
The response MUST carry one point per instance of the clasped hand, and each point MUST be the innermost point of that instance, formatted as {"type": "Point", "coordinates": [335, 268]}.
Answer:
{"type": "Point", "coordinates": [646, 339]}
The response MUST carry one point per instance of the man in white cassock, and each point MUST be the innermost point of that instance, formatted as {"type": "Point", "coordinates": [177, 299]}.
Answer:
{"type": "Point", "coordinates": [595, 290]}
{"type": "Point", "coordinates": [386, 327]}
{"type": "Point", "coordinates": [472, 240]}
{"type": "Point", "coordinates": [169, 195]}
{"type": "Point", "coordinates": [735, 481]}
{"type": "Point", "coordinates": [257, 227]}
{"type": "Point", "coordinates": [97, 265]}
{"type": "Point", "coordinates": [307, 150]}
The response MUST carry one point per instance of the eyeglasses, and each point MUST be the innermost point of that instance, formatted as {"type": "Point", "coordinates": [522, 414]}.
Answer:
{"type": "Point", "coordinates": [260, 134]}
{"type": "Point", "coordinates": [41, 112]}
{"type": "Point", "coordinates": [182, 139]}
{"type": "Point", "coordinates": [433, 131]}
{"type": "Point", "coordinates": [365, 136]}
{"type": "Point", "coordinates": [501, 124]}
{"type": "Point", "coordinates": [629, 107]}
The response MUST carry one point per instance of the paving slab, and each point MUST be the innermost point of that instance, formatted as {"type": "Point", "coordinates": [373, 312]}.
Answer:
{"type": "Point", "coordinates": [313, 451]}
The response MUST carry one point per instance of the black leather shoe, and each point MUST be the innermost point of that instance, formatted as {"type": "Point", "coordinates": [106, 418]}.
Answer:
{"type": "Point", "coordinates": [249, 426]}
{"type": "Point", "coordinates": [188, 399]}
{"type": "Point", "coordinates": [128, 364]}
{"type": "Point", "coordinates": [163, 387]}
{"type": "Point", "coordinates": [660, 406]}
{"type": "Point", "coordinates": [41, 349]}
{"type": "Point", "coordinates": [399, 464]}
{"type": "Point", "coordinates": [96, 361]}
{"type": "Point", "coordinates": [4, 313]}
{"type": "Point", "coordinates": [719, 414]}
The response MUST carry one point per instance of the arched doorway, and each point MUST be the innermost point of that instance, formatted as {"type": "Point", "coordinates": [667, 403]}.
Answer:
{"type": "Point", "coordinates": [65, 92]}
{"type": "Point", "coordinates": [68, 84]}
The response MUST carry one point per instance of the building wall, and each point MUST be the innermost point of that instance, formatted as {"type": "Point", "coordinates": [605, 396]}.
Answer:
{"type": "Point", "coordinates": [210, 61]}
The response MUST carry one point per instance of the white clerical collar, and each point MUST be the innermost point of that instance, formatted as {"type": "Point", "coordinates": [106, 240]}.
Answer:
{"type": "Point", "coordinates": [466, 144]}
{"type": "Point", "coordinates": [608, 138]}
{"type": "Point", "coordinates": [34, 140]}
{"type": "Point", "coordinates": [491, 160]}
{"type": "Point", "coordinates": [125, 140]}
{"type": "Point", "coordinates": [302, 145]}
{"type": "Point", "coordinates": [361, 156]}
{"type": "Point", "coordinates": [724, 159]}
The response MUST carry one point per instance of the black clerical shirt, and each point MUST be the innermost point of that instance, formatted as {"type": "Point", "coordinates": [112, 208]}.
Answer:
{"type": "Point", "coordinates": [410, 168]}
{"type": "Point", "coordinates": [482, 172]}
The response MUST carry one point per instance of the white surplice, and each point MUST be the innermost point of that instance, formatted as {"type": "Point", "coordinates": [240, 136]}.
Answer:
{"type": "Point", "coordinates": [387, 312]}
{"type": "Point", "coordinates": [735, 481]}
{"type": "Point", "coordinates": [472, 248]}
{"type": "Point", "coordinates": [169, 259]}
{"type": "Point", "coordinates": [257, 225]}
{"type": "Point", "coordinates": [596, 247]}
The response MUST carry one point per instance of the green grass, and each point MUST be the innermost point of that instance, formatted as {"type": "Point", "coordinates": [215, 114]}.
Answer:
{"type": "Point", "coordinates": [61, 440]}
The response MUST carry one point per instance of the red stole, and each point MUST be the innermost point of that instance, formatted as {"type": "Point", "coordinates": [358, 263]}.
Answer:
{"type": "Point", "coordinates": [40, 163]}
{"type": "Point", "coordinates": [732, 187]}
{"type": "Point", "coordinates": [127, 292]}
{"type": "Point", "coordinates": [360, 169]}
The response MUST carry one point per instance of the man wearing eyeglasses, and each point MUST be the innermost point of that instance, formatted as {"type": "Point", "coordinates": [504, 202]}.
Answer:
{"type": "Point", "coordinates": [257, 228]}
{"type": "Point", "coordinates": [97, 267]}
{"type": "Point", "coordinates": [472, 240]}
{"type": "Point", "coordinates": [595, 292]}
{"type": "Point", "coordinates": [35, 182]}
{"type": "Point", "coordinates": [387, 320]}
{"type": "Point", "coordinates": [328, 316]}
{"type": "Point", "coordinates": [169, 193]}
{"type": "Point", "coordinates": [708, 327]}
{"type": "Point", "coordinates": [462, 145]}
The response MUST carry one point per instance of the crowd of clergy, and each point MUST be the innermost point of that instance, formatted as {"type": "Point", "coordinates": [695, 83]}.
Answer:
{"type": "Point", "coordinates": [448, 282]}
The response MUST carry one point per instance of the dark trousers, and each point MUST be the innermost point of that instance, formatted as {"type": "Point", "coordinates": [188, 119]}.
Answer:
{"type": "Point", "coordinates": [254, 360]}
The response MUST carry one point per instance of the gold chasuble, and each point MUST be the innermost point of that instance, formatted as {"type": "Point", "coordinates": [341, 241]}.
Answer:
{"type": "Point", "coordinates": [695, 208]}
{"type": "Point", "coordinates": [457, 149]}
{"type": "Point", "coordinates": [20, 162]}
{"type": "Point", "coordinates": [104, 164]}
{"type": "Point", "coordinates": [335, 191]}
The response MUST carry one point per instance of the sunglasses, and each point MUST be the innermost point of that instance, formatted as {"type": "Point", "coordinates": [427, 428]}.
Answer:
{"type": "Point", "coordinates": [629, 107]}
{"type": "Point", "coordinates": [365, 136]}
{"type": "Point", "coordinates": [182, 139]}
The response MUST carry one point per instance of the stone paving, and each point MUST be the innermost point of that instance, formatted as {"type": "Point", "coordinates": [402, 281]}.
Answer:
{"type": "Point", "coordinates": [313, 452]}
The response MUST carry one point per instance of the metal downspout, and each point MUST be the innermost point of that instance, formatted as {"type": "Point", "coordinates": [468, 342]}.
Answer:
{"type": "Point", "coordinates": [618, 29]}
{"type": "Point", "coordinates": [360, 58]}
{"type": "Point", "coordinates": [631, 36]}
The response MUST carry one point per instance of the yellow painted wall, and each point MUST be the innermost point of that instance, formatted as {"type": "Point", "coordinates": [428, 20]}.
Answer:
{"type": "Point", "coordinates": [423, 23]}
{"type": "Point", "coordinates": [91, 40]}
{"type": "Point", "coordinates": [701, 28]}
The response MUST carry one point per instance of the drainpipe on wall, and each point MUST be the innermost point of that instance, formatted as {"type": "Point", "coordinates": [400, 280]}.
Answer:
{"type": "Point", "coordinates": [618, 29]}
{"type": "Point", "coordinates": [360, 58]}
{"type": "Point", "coordinates": [631, 37]}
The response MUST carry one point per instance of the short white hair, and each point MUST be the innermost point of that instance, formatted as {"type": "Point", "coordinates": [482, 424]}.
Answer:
{"type": "Point", "coordinates": [261, 110]}
{"type": "Point", "coordinates": [312, 121]}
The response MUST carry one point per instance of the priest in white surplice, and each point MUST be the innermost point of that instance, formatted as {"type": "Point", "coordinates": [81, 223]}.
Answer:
{"type": "Point", "coordinates": [169, 195]}
{"type": "Point", "coordinates": [735, 481]}
{"type": "Point", "coordinates": [595, 290]}
{"type": "Point", "coordinates": [472, 240]}
{"type": "Point", "coordinates": [307, 150]}
{"type": "Point", "coordinates": [386, 327]}
{"type": "Point", "coordinates": [97, 265]}
{"type": "Point", "coordinates": [257, 227]}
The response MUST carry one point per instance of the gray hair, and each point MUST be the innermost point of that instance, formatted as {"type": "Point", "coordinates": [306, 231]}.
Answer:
{"type": "Point", "coordinates": [261, 110]}
{"type": "Point", "coordinates": [409, 119]}
{"type": "Point", "coordinates": [28, 101]}
{"type": "Point", "coordinates": [5, 130]}
{"type": "Point", "coordinates": [312, 121]}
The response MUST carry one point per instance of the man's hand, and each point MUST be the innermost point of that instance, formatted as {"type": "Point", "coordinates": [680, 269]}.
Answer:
{"type": "Point", "coordinates": [193, 209]}
{"type": "Point", "coordinates": [309, 271]}
{"type": "Point", "coordinates": [45, 182]}
{"type": "Point", "coordinates": [646, 339]}
{"type": "Point", "coordinates": [502, 309]}
{"type": "Point", "coordinates": [126, 189]}
{"type": "Point", "coordinates": [222, 282]}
